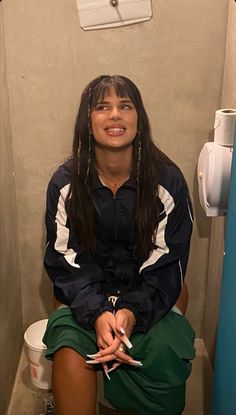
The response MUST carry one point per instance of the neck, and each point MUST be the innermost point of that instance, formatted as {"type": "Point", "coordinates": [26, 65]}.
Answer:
{"type": "Point", "coordinates": [114, 164]}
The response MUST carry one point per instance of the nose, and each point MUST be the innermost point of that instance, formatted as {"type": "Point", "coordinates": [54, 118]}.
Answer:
{"type": "Point", "coordinates": [115, 113]}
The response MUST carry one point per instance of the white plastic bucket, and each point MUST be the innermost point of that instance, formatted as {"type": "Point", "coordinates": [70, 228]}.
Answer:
{"type": "Point", "coordinates": [39, 367]}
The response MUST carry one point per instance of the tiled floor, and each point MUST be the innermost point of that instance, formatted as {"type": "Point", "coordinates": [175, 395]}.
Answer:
{"type": "Point", "coordinates": [27, 400]}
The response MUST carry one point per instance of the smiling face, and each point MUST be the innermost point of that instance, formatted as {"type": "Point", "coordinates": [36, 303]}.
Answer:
{"type": "Point", "coordinates": [114, 122]}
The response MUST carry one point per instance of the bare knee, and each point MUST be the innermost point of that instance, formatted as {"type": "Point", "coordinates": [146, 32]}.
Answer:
{"type": "Point", "coordinates": [182, 301]}
{"type": "Point", "coordinates": [68, 361]}
{"type": "Point", "coordinates": [74, 383]}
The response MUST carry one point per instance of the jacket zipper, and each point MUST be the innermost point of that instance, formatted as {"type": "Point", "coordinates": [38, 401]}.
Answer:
{"type": "Point", "coordinates": [115, 231]}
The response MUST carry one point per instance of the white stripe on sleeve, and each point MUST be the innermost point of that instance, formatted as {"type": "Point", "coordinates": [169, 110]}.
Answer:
{"type": "Point", "coordinates": [62, 231]}
{"type": "Point", "coordinates": [160, 242]}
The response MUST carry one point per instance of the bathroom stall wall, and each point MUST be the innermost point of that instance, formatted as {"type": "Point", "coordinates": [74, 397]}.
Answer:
{"type": "Point", "coordinates": [10, 289]}
{"type": "Point", "coordinates": [176, 59]}
{"type": "Point", "coordinates": [218, 224]}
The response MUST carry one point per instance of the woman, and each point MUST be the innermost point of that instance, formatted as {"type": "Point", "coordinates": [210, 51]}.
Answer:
{"type": "Point", "coordinates": [119, 224]}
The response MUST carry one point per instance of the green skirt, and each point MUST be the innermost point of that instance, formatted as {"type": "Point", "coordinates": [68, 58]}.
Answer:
{"type": "Point", "coordinates": [156, 388]}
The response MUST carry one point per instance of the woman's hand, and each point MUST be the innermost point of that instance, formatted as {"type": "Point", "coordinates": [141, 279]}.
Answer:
{"type": "Point", "coordinates": [125, 319]}
{"type": "Point", "coordinates": [105, 328]}
{"type": "Point", "coordinates": [112, 331]}
{"type": "Point", "coordinates": [109, 329]}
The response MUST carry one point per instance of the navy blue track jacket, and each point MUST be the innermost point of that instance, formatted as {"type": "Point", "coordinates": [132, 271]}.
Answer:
{"type": "Point", "coordinates": [82, 280]}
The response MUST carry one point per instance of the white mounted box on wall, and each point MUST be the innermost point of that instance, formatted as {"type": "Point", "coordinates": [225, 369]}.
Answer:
{"type": "Point", "coordinates": [104, 14]}
{"type": "Point", "coordinates": [214, 167]}
{"type": "Point", "coordinates": [214, 164]}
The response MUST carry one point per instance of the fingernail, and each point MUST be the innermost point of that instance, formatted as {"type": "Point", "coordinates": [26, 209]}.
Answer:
{"type": "Point", "coordinates": [111, 369]}
{"type": "Point", "coordinates": [127, 342]}
{"type": "Point", "coordinates": [125, 339]}
{"type": "Point", "coordinates": [92, 362]}
{"type": "Point", "coordinates": [135, 363]}
{"type": "Point", "coordinates": [94, 356]}
{"type": "Point", "coordinates": [106, 373]}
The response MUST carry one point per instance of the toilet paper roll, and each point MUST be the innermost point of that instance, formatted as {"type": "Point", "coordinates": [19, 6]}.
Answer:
{"type": "Point", "coordinates": [224, 126]}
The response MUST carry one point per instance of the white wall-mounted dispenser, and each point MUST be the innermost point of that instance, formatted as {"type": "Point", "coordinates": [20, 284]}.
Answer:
{"type": "Point", "coordinates": [104, 14]}
{"type": "Point", "coordinates": [214, 165]}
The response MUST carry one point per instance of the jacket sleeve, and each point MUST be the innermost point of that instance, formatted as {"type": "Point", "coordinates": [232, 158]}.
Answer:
{"type": "Point", "coordinates": [161, 276]}
{"type": "Point", "coordinates": [76, 276]}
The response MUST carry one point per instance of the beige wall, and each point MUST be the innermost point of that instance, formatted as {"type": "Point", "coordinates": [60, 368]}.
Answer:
{"type": "Point", "coordinates": [10, 290]}
{"type": "Point", "coordinates": [229, 81]}
{"type": "Point", "coordinates": [176, 59]}
{"type": "Point", "coordinates": [218, 224]}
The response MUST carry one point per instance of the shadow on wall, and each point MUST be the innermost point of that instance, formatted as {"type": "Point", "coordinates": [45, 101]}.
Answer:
{"type": "Point", "coordinates": [46, 286]}
{"type": "Point", "coordinates": [202, 221]}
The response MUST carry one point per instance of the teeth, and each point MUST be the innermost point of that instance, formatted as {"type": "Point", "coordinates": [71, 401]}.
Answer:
{"type": "Point", "coordinates": [116, 130]}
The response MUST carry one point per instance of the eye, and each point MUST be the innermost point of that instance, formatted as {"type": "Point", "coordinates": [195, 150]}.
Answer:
{"type": "Point", "coordinates": [101, 107]}
{"type": "Point", "coordinates": [127, 106]}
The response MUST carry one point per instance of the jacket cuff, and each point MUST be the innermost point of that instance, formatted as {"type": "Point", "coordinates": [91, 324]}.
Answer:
{"type": "Point", "coordinates": [142, 324]}
{"type": "Point", "coordinates": [88, 321]}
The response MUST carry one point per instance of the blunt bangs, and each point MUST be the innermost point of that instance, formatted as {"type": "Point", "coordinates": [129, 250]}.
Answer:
{"type": "Point", "coordinates": [123, 88]}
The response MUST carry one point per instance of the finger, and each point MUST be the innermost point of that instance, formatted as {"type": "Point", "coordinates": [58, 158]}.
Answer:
{"type": "Point", "coordinates": [124, 338]}
{"type": "Point", "coordinates": [125, 358]}
{"type": "Point", "coordinates": [104, 359]}
{"type": "Point", "coordinates": [122, 359]}
{"type": "Point", "coordinates": [94, 356]}
{"type": "Point", "coordinates": [106, 373]}
{"type": "Point", "coordinates": [112, 348]}
{"type": "Point", "coordinates": [126, 341]}
{"type": "Point", "coordinates": [121, 347]}
{"type": "Point", "coordinates": [112, 324]}
{"type": "Point", "coordinates": [101, 360]}
{"type": "Point", "coordinates": [102, 346]}
{"type": "Point", "coordinates": [122, 356]}
{"type": "Point", "coordinates": [92, 362]}
{"type": "Point", "coordinates": [136, 363]}
{"type": "Point", "coordinates": [105, 368]}
{"type": "Point", "coordinates": [114, 366]}
{"type": "Point", "coordinates": [125, 321]}
{"type": "Point", "coordinates": [104, 340]}
{"type": "Point", "coordinates": [103, 343]}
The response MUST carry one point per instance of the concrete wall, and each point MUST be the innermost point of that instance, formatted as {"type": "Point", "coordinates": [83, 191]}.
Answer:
{"type": "Point", "coordinates": [10, 290]}
{"type": "Point", "coordinates": [218, 224]}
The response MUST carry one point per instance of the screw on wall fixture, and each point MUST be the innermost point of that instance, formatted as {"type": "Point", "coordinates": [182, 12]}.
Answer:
{"type": "Point", "coordinates": [114, 3]}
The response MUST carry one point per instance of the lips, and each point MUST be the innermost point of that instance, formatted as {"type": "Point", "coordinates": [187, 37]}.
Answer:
{"type": "Point", "coordinates": [115, 130]}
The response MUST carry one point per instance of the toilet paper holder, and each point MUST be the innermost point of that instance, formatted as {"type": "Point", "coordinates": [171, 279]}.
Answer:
{"type": "Point", "coordinates": [214, 166]}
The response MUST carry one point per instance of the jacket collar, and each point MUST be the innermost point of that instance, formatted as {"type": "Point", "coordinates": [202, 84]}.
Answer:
{"type": "Point", "coordinates": [97, 184]}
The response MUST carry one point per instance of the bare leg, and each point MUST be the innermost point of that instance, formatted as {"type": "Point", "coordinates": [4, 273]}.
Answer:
{"type": "Point", "coordinates": [182, 301]}
{"type": "Point", "coordinates": [74, 384]}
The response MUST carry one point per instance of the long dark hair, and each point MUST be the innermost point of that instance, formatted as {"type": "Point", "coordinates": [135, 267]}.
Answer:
{"type": "Point", "coordinates": [80, 207]}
